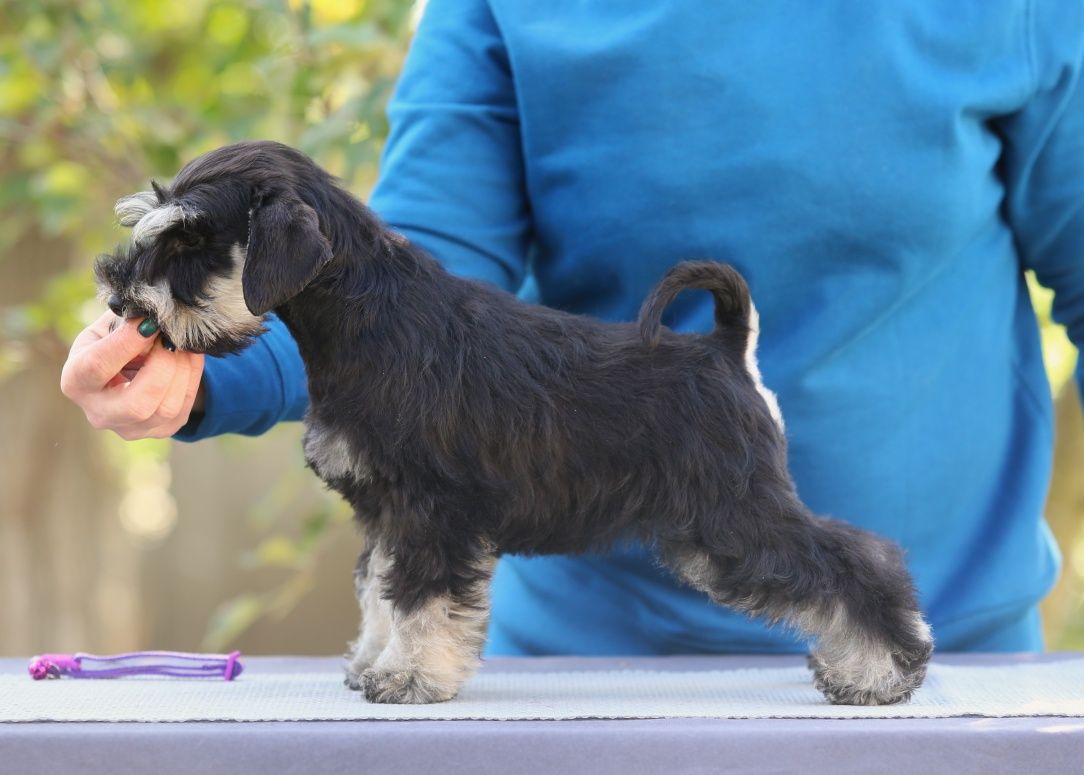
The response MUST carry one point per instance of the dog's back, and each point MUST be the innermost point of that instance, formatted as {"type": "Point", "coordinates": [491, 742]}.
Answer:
{"type": "Point", "coordinates": [584, 428]}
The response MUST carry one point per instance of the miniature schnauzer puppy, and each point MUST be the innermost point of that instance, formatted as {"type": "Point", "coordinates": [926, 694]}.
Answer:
{"type": "Point", "coordinates": [461, 424]}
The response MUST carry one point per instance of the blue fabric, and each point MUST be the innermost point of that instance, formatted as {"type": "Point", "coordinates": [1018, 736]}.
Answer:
{"type": "Point", "coordinates": [882, 173]}
{"type": "Point", "coordinates": [250, 392]}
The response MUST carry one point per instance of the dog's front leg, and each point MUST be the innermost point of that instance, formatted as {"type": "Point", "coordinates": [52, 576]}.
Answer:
{"type": "Point", "coordinates": [375, 615]}
{"type": "Point", "coordinates": [434, 645]}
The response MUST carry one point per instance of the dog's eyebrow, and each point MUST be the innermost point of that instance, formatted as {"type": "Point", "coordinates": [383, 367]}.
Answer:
{"type": "Point", "coordinates": [157, 220]}
{"type": "Point", "coordinates": [131, 208]}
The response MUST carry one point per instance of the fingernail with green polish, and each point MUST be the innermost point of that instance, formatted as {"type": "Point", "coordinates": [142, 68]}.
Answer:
{"type": "Point", "coordinates": [147, 327]}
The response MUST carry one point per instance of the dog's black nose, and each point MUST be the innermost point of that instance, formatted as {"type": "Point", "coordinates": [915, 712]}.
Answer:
{"type": "Point", "coordinates": [116, 305]}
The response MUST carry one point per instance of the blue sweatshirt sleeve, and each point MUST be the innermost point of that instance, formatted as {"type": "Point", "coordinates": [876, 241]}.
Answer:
{"type": "Point", "coordinates": [452, 173]}
{"type": "Point", "coordinates": [1044, 163]}
{"type": "Point", "coordinates": [250, 392]}
{"type": "Point", "coordinates": [452, 181]}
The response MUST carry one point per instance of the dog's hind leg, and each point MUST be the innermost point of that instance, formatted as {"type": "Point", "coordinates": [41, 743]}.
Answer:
{"type": "Point", "coordinates": [435, 644]}
{"type": "Point", "coordinates": [843, 587]}
{"type": "Point", "coordinates": [375, 615]}
{"type": "Point", "coordinates": [873, 643]}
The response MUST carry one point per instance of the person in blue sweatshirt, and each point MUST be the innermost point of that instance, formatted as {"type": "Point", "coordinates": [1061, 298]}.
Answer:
{"type": "Point", "coordinates": [883, 174]}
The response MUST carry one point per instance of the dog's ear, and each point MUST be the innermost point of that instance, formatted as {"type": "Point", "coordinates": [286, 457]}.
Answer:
{"type": "Point", "coordinates": [285, 252]}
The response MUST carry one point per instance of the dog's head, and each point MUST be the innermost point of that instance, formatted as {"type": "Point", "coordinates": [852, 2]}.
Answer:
{"type": "Point", "coordinates": [231, 239]}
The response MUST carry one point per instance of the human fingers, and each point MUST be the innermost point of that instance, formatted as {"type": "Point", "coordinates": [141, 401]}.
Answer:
{"type": "Point", "coordinates": [183, 392]}
{"type": "Point", "coordinates": [91, 367]}
{"type": "Point", "coordinates": [143, 396]}
{"type": "Point", "coordinates": [135, 402]}
{"type": "Point", "coordinates": [168, 408]}
{"type": "Point", "coordinates": [173, 401]}
{"type": "Point", "coordinates": [99, 329]}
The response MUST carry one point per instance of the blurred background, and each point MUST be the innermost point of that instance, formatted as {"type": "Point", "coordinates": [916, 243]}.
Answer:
{"type": "Point", "coordinates": [108, 545]}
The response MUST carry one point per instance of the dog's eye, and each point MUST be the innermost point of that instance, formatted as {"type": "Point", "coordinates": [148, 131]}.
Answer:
{"type": "Point", "coordinates": [189, 239]}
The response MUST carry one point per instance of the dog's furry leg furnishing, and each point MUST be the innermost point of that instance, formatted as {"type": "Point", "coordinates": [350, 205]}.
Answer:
{"type": "Point", "coordinates": [433, 646]}
{"type": "Point", "coordinates": [830, 581]}
{"type": "Point", "coordinates": [376, 615]}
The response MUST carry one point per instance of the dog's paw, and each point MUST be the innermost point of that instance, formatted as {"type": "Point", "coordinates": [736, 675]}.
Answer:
{"type": "Point", "coordinates": [402, 687]}
{"type": "Point", "coordinates": [887, 689]}
{"type": "Point", "coordinates": [868, 670]}
{"type": "Point", "coordinates": [353, 681]}
{"type": "Point", "coordinates": [355, 666]}
{"type": "Point", "coordinates": [884, 678]}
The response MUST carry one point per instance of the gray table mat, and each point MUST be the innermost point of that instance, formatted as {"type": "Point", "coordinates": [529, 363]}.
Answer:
{"type": "Point", "coordinates": [1049, 688]}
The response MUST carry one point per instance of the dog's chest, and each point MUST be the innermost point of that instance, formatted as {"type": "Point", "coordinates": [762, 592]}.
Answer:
{"type": "Point", "coordinates": [331, 455]}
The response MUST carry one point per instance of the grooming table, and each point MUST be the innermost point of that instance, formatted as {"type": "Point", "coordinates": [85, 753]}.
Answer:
{"type": "Point", "coordinates": [989, 743]}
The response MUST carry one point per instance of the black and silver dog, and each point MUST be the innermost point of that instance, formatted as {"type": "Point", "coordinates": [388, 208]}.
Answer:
{"type": "Point", "coordinates": [462, 424]}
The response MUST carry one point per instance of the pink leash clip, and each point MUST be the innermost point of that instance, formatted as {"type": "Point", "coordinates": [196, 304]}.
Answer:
{"type": "Point", "coordinates": [176, 664]}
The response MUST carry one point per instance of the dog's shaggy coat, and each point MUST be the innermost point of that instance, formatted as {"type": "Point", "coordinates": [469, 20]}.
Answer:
{"type": "Point", "coordinates": [462, 424]}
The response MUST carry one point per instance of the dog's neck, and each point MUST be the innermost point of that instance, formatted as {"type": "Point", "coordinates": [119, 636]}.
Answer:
{"type": "Point", "coordinates": [354, 231]}
{"type": "Point", "coordinates": [377, 292]}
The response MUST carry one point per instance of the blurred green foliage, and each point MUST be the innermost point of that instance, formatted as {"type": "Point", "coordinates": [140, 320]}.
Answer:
{"type": "Point", "coordinates": [98, 96]}
{"type": "Point", "coordinates": [1058, 352]}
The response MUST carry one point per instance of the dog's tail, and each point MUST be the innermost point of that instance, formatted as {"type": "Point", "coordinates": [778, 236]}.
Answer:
{"type": "Point", "coordinates": [732, 302]}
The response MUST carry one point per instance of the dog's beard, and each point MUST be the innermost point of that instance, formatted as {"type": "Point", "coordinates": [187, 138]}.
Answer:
{"type": "Point", "coordinates": [217, 324]}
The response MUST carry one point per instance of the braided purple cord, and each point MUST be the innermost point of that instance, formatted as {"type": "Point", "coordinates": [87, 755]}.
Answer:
{"type": "Point", "coordinates": [177, 664]}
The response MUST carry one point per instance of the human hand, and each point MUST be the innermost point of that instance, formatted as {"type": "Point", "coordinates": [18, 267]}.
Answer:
{"type": "Point", "coordinates": [125, 383]}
